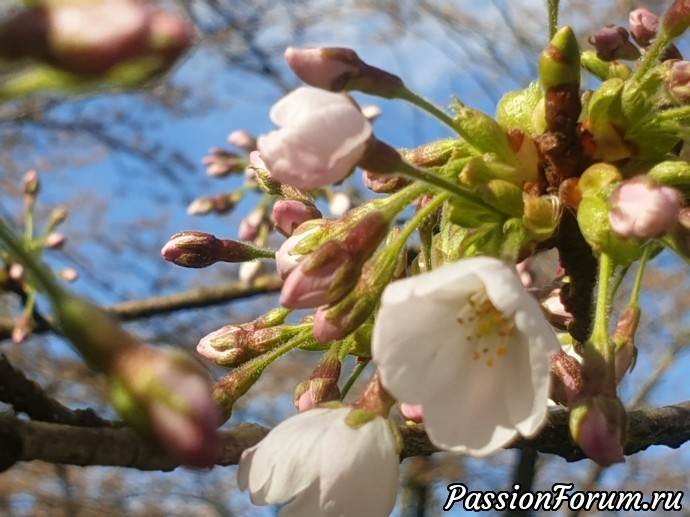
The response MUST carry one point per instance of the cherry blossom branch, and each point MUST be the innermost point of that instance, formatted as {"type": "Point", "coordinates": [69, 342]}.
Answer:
{"type": "Point", "coordinates": [119, 446]}
{"type": "Point", "coordinates": [159, 305]}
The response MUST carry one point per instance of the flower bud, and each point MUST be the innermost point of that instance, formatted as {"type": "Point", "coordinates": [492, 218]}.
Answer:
{"type": "Point", "coordinates": [624, 339]}
{"type": "Point", "coordinates": [287, 258]}
{"type": "Point", "coordinates": [678, 84]}
{"type": "Point", "coordinates": [559, 63]}
{"type": "Point", "coordinates": [250, 225]}
{"type": "Point", "coordinates": [250, 271]}
{"type": "Point", "coordinates": [68, 274]}
{"type": "Point", "coordinates": [242, 139]}
{"type": "Point", "coordinates": [95, 38]}
{"type": "Point", "coordinates": [598, 426]}
{"type": "Point", "coordinates": [32, 183]}
{"type": "Point", "coordinates": [164, 393]}
{"type": "Point", "coordinates": [198, 249]}
{"type": "Point", "coordinates": [57, 217]}
{"type": "Point", "coordinates": [288, 214]}
{"type": "Point", "coordinates": [55, 241]}
{"type": "Point", "coordinates": [16, 272]}
{"type": "Point", "coordinates": [644, 25]}
{"type": "Point", "coordinates": [322, 385]}
{"type": "Point", "coordinates": [233, 345]}
{"type": "Point", "coordinates": [602, 69]}
{"type": "Point", "coordinates": [642, 209]}
{"type": "Point", "coordinates": [332, 269]}
{"type": "Point", "coordinates": [677, 18]}
{"type": "Point", "coordinates": [383, 183]}
{"type": "Point", "coordinates": [337, 69]}
{"type": "Point", "coordinates": [221, 163]}
{"type": "Point", "coordinates": [611, 42]}
{"type": "Point", "coordinates": [412, 412]}
{"type": "Point", "coordinates": [673, 173]}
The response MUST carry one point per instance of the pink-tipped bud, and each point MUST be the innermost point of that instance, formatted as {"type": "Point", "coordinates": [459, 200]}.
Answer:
{"type": "Point", "coordinates": [677, 18]}
{"type": "Point", "coordinates": [69, 274]}
{"type": "Point", "coordinates": [412, 412]}
{"type": "Point", "coordinates": [55, 241]}
{"type": "Point", "coordinates": [193, 249]}
{"type": "Point", "coordinates": [220, 163]}
{"type": "Point", "coordinates": [288, 214]}
{"type": "Point", "coordinates": [598, 426]}
{"type": "Point", "coordinates": [93, 38]}
{"type": "Point", "coordinates": [243, 139]}
{"type": "Point", "coordinates": [678, 84]}
{"type": "Point", "coordinates": [624, 339]}
{"type": "Point", "coordinates": [643, 209]}
{"type": "Point", "coordinates": [32, 183]}
{"type": "Point", "coordinates": [611, 42]}
{"type": "Point", "coordinates": [250, 226]}
{"type": "Point", "coordinates": [200, 206]}
{"type": "Point", "coordinates": [383, 183]}
{"type": "Point", "coordinates": [644, 25]}
{"type": "Point", "coordinates": [165, 393]}
{"type": "Point", "coordinates": [287, 258]}
{"type": "Point", "coordinates": [322, 385]}
{"type": "Point", "coordinates": [16, 272]}
{"type": "Point", "coordinates": [337, 69]}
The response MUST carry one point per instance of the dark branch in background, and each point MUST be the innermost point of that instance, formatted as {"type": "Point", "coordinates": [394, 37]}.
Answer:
{"type": "Point", "coordinates": [28, 397]}
{"type": "Point", "coordinates": [158, 305]}
{"type": "Point", "coordinates": [56, 443]}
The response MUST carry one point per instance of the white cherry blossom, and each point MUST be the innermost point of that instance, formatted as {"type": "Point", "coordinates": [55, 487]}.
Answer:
{"type": "Point", "coordinates": [321, 138]}
{"type": "Point", "coordinates": [332, 462]}
{"type": "Point", "coordinates": [468, 343]}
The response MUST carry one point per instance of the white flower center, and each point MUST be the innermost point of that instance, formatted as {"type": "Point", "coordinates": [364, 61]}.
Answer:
{"type": "Point", "coordinates": [485, 328]}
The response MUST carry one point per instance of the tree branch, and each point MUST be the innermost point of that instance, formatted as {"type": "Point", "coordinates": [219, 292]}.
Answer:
{"type": "Point", "coordinates": [64, 444]}
{"type": "Point", "coordinates": [192, 299]}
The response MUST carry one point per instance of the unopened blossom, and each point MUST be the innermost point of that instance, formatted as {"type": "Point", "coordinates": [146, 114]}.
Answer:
{"type": "Point", "coordinates": [612, 42]}
{"type": "Point", "coordinates": [644, 25]}
{"type": "Point", "coordinates": [249, 271]}
{"type": "Point", "coordinates": [243, 139]}
{"type": "Point", "coordinates": [250, 226]}
{"type": "Point", "coordinates": [55, 240]}
{"type": "Point", "coordinates": [321, 138]}
{"type": "Point", "coordinates": [598, 426]}
{"type": "Point", "coordinates": [289, 214]}
{"type": "Point", "coordinates": [220, 162]}
{"type": "Point", "coordinates": [470, 345]}
{"type": "Point", "coordinates": [162, 391]}
{"type": "Point", "coordinates": [325, 462]}
{"type": "Point", "coordinates": [678, 84]}
{"type": "Point", "coordinates": [286, 257]}
{"type": "Point", "coordinates": [68, 274]}
{"type": "Point", "coordinates": [339, 203]}
{"type": "Point", "coordinates": [643, 209]}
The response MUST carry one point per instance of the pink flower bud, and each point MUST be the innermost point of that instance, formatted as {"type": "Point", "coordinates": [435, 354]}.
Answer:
{"type": "Point", "coordinates": [16, 272]}
{"type": "Point", "coordinates": [678, 84]}
{"type": "Point", "coordinates": [250, 226]}
{"type": "Point", "coordinates": [412, 412]}
{"type": "Point", "coordinates": [644, 25]}
{"type": "Point", "coordinates": [168, 391]}
{"type": "Point", "coordinates": [321, 139]}
{"type": "Point", "coordinates": [383, 183]}
{"type": "Point", "coordinates": [242, 139]}
{"type": "Point", "coordinates": [250, 271]}
{"type": "Point", "coordinates": [642, 209]}
{"type": "Point", "coordinates": [286, 258]}
{"type": "Point", "coordinates": [55, 241]}
{"type": "Point", "coordinates": [193, 249]}
{"type": "Point", "coordinates": [220, 163]}
{"type": "Point", "coordinates": [677, 18]}
{"type": "Point", "coordinates": [598, 426]}
{"type": "Point", "coordinates": [611, 42]}
{"type": "Point", "coordinates": [288, 214]}
{"type": "Point", "coordinates": [68, 274]}
{"type": "Point", "coordinates": [31, 183]}
{"type": "Point", "coordinates": [92, 38]}
{"type": "Point", "coordinates": [337, 69]}
{"type": "Point", "coordinates": [200, 206]}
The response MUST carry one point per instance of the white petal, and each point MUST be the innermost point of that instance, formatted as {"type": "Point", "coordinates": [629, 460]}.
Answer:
{"type": "Point", "coordinates": [283, 464]}
{"type": "Point", "coordinates": [307, 503]}
{"type": "Point", "coordinates": [360, 470]}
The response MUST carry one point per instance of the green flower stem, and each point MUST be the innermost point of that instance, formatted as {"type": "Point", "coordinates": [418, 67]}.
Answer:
{"type": "Point", "coordinates": [409, 170]}
{"type": "Point", "coordinates": [427, 106]}
{"type": "Point", "coordinates": [651, 56]}
{"type": "Point", "coordinates": [392, 205]}
{"type": "Point", "coordinates": [552, 6]}
{"type": "Point", "coordinates": [353, 378]}
{"type": "Point", "coordinates": [637, 284]}
{"type": "Point", "coordinates": [600, 333]}
{"type": "Point", "coordinates": [41, 274]}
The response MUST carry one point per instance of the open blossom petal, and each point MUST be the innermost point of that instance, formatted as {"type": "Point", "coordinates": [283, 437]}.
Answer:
{"type": "Point", "coordinates": [319, 464]}
{"type": "Point", "coordinates": [469, 344]}
{"type": "Point", "coordinates": [321, 138]}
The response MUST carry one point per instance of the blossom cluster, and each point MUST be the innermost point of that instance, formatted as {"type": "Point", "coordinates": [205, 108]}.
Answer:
{"type": "Point", "coordinates": [475, 308]}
